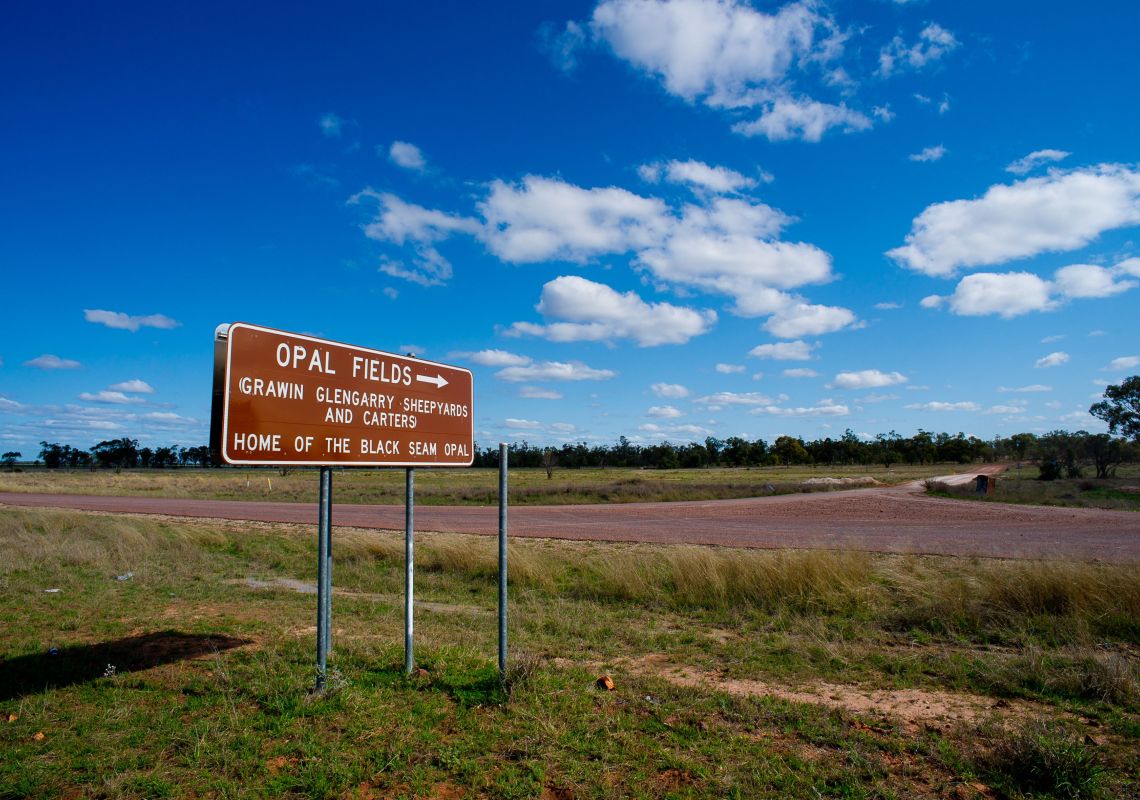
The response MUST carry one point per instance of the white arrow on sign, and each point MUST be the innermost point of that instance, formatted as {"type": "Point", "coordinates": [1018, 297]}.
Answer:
{"type": "Point", "coordinates": [437, 379]}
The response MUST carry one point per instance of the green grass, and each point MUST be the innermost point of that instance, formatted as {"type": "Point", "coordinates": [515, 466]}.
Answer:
{"type": "Point", "coordinates": [210, 688]}
{"type": "Point", "coordinates": [1121, 492]}
{"type": "Point", "coordinates": [458, 486]}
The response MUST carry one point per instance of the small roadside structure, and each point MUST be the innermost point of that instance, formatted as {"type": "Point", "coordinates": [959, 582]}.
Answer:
{"type": "Point", "coordinates": [985, 484]}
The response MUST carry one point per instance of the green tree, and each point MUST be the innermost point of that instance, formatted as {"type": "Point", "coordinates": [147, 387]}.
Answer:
{"type": "Point", "coordinates": [8, 460]}
{"type": "Point", "coordinates": [1120, 408]}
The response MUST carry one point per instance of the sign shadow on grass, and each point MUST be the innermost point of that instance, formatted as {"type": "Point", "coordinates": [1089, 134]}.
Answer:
{"type": "Point", "coordinates": [67, 666]}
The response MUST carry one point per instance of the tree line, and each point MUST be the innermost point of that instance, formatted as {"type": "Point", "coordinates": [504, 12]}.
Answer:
{"type": "Point", "coordinates": [1058, 453]}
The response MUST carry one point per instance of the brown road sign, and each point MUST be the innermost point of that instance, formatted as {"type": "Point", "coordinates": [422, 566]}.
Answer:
{"type": "Point", "coordinates": [284, 398]}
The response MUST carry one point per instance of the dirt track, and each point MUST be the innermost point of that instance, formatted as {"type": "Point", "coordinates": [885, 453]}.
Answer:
{"type": "Point", "coordinates": [895, 520]}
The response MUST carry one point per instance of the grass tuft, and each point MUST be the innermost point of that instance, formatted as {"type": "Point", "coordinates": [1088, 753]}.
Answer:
{"type": "Point", "coordinates": [1040, 759]}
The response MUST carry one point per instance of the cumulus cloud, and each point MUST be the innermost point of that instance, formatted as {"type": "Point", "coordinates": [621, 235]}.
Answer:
{"type": "Point", "coordinates": [1124, 362]}
{"type": "Point", "coordinates": [135, 386]}
{"type": "Point", "coordinates": [1035, 159]}
{"type": "Point", "coordinates": [590, 311]}
{"type": "Point", "coordinates": [1089, 280]}
{"type": "Point", "coordinates": [663, 412]}
{"type": "Point", "coordinates": [497, 358]}
{"type": "Point", "coordinates": [805, 319]}
{"type": "Point", "coordinates": [933, 153]}
{"type": "Point", "coordinates": [825, 408]}
{"type": "Point", "coordinates": [670, 390]}
{"type": "Point", "coordinates": [418, 228]}
{"type": "Point", "coordinates": [553, 371]}
{"type": "Point", "coordinates": [721, 399]}
{"type": "Point", "coordinates": [784, 351]}
{"type": "Point", "coordinates": [729, 369]}
{"type": "Point", "coordinates": [1058, 212]}
{"type": "Point", "coordinates": [1052, 360]}
{"type": "Point", "coordinates": [539, 393]}
{"type": "Point", "coordinates": [121, 321]}
{"type": "Point", "coordinates": [721, 51]}
{"type": "Point", "coordinates": [407, 155]}
{"type": "Point", "coordinates": [547, 219]}
{"type": "Point", "coordinates": [1014, 293]}
{"type": "Point", "coordinates": [867, 379]}
{"type": "Point", "coordinates": [522, 424]}
{"type": "Point", "coordinates": [802, 118]}
{"type": "Point", "coordinates": [697, 175]}
{"type": "Point", "coordinates": [933, 43]}
{"type": "Point", "coordinates": [937, 405]}
{"type": "Point", "coordinates": [800, 372]}
{"type": "Point", "coordinates": [887, 306]}
{"type": "Point", "coordinates": [49, 361]}
{"type": "Point", "coordinates": [674, 430]}
{"type": "Point", "coordinates": [107, 396]}
{"type": "Point", "coordinates": [1035, 387]}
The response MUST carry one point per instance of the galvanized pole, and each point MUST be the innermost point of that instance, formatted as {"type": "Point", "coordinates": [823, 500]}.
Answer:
{"type": "Point", "coordinates": [409, 565]}
{"type": "Point", "coordinates": [324, 518]}
{"type": "Point", "coordinates": [326, 480]}
{"type": "Point", "coordinates": [502, 559]}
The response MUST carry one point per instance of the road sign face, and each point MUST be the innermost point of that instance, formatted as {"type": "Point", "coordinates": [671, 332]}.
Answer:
{"type": "Point", "coordinates": [293, 399]}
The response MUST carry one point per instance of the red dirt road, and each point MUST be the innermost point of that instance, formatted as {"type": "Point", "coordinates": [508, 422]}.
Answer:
{"type": "Point", "coordinates": [889, 520]}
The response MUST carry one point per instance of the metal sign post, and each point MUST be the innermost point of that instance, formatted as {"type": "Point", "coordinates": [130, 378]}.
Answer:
{"type": "Point", "coordinates": [324, 575]}
{"type": "Point", "coordinates": [502, 560]}
{"type": "Point", "coordinates": [409, 567]}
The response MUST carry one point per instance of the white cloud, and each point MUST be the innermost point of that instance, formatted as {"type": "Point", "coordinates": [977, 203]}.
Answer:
{"type": "Point", "coordinates": [400, 222]}
{"type": "Point", "coordinates": [784, 351]}
{"type": "Point", "coordinates": [875, 397]}
{"type": "Point", "coordinates": [1052, 360]}
{"type": "Point", "coordinates": [867, 379]}
{"type": "Point", "coordinates": [888, 306]}
{"type": "Point", "coordinates": [1089, 280]}
{"type": "Point", "coordinates": [1008, 294]}
{"type": "Point", "coordinates": [720, 399]}
{"type": "Point", "coordinates": [107, 396]}
{"type": "Point", "coordinates": [825, 408]}
{"type": "Point", "coordinates": [522, 424]}
{"type": "Point", "coordinates": [802, 118]}
{"type": "Point", "coordinates": [497, 358]}
{"type": "Point", "coordinates": [553, 371]}
{"type": "Point", "coordinates": [697, 174]}
{"type": "Point", "coordinates": [934, 41]}
{"type": "Point", "coordinates": [1058, 212]}
{"type": "Point", "coordinates": [135, 386]}
{"type": "Point", "coordinates": [663, 412]}
{"type": "Point", "coordinates": [1035, 159]}
{"type": "Point", "coordinates": [720, 50]}
{"type": "Point", "coordinates": [1004, 409]}
{"type": "Point", "coordinates": [1035, 387]}
{"type": "Point", "coordinates": [804, 319]}
{"type": "Point", "coordinates": [937, 405]}
{"type": "Point", "coordinates": [538, 393]}
{"type": "Point", "coordinates": [674, 430]}
{"type": "Point", "coordinates": [589, 311]}
{"type": "Point", "coordinates": [800, 372]}
{"type": "Point", "coordinates": [121, 321]}
{"type": "Point", "coordinates": [330, 124]}
{"type": "Point", "coordinates": [1124, 362]}
{"type": "Point", "coordinates": [546, 219]}
{"type": "Point", "coordinates": [883, 113]}
{"type": "Point", "coordinates": [49, 361]}
{"type": "Point", "coordinates": [932, 153]}
{"type": "Point", "coordinates": [670, 390]}
{"type": "Point", "coordinates": [1054, 338]}
{"type": "Point", "coordinates": [407, 155]}
{"type": "Point", "coordinates": [729, 369]}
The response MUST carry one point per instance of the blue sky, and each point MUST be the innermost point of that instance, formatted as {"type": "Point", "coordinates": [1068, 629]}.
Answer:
{"type": "Point", "coordinates": [666, 220]}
